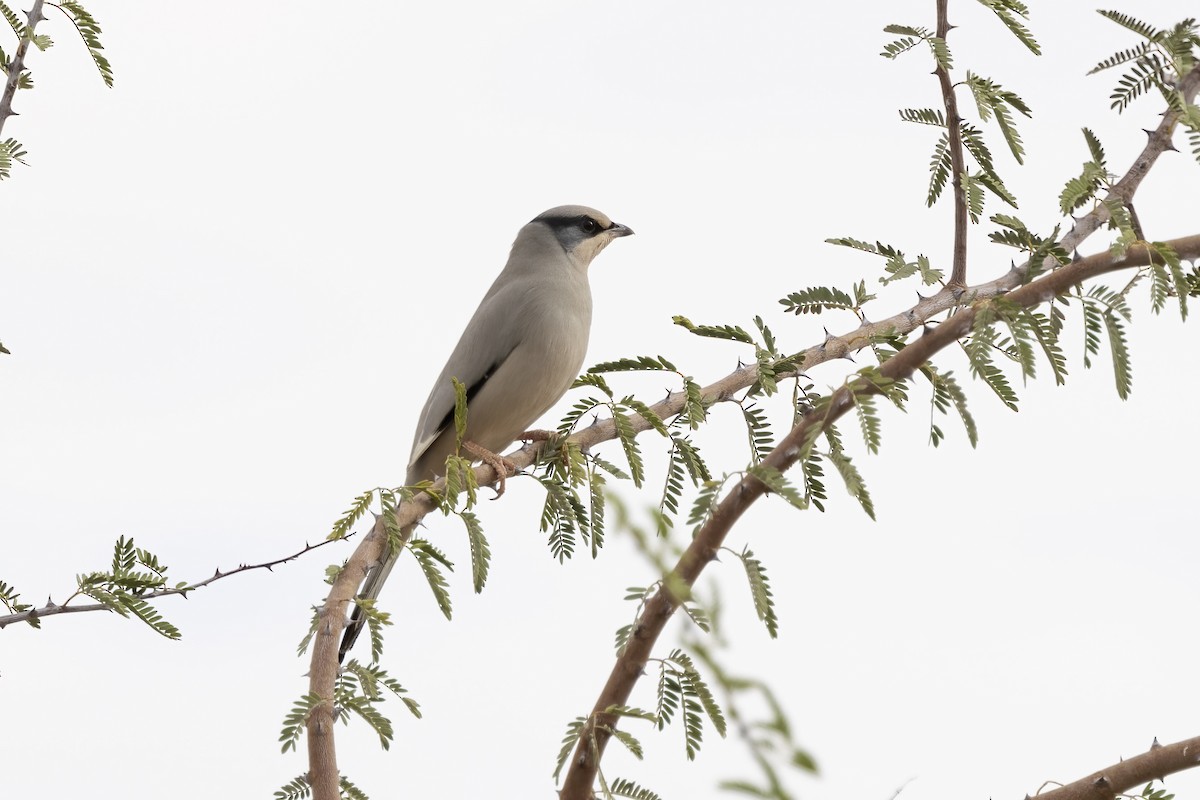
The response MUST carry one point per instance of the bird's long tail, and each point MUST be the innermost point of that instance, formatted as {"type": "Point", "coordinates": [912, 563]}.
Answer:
{"type": "Point", "coordinates": [370, 591]}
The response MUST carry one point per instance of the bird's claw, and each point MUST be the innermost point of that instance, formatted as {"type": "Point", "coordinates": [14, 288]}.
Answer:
{"type": "Point", "coordinates": [501, 465]}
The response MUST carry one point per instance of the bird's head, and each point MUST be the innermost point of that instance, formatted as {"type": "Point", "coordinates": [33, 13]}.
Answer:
{"type": "Point", "coordinates": [581, 231]}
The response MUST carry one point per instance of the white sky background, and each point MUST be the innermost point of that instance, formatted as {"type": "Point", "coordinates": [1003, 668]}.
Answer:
{"type": "Point", "coordinates": [229, 281]}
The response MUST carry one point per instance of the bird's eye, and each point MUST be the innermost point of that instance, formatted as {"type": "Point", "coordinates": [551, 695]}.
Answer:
{"type": "Point", "coordinates": [589, 225]}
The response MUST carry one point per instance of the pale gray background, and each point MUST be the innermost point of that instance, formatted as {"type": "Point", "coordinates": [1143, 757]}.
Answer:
{"type": "Point", "coordinates": [229, 281]}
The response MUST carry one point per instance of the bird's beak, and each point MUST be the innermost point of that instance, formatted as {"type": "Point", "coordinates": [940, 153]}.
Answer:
{"type": "Point", "coordinates": [618, 230]}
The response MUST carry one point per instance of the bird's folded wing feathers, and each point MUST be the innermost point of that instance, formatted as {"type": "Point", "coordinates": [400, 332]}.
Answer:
{"type": "Point", "coordinates": [488, 340]}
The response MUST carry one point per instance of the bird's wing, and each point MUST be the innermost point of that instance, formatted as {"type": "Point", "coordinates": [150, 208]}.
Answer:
{"type": "Point", "coordinates": [488, 340]}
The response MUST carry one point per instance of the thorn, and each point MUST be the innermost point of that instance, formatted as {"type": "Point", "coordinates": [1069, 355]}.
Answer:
{"type": "Point", "coordinates": [912, 317]}
{"type": "Point", "coordinates": [1155, 745]}
{"type": "Point", "coordinates": [1075, 256]}
{"type": "Point", "coordinates": [1101, 783]}
{"type": "Point", "coordinates": [1171, 146]}
{"type": "Point", "coordinates": [921, 298]}
{"type": "Point", "coordinates": [1149, 134]}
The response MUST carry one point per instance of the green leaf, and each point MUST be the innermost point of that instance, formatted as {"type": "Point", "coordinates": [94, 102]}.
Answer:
{"type": "Point", "coordinates": [868, 420]}
{"type": "Point", "coordinates": [574, 733]}
{"type": "Point", "coordinates": [894, 49]}
{"type": "Point", "coordinates": [1122, 57]}
{"type": "Point", "coordinates": [295, 789]}
{"type": "Point", "coordinates": [1180, 283]}
{"type": "Point", "coordinates": [460, 412]}
{"type": "Point", "coordinates": [731, 332]}
{"type": "Point", "coordinates": [816, 299]}
{"type": "Point", "coordinates": [1092, 324]}
{"type": "Point", "coordinates": [296, 720]}
{"type": "Point", "coordinates": [1043, 331]}
{"type": "Point", "coordinates": [758, 431]}
{"type": "Point", "coordinates": [853, 480]}
{"type": "Point", "coordinates": [1005, 10]}
{"type": "Point", "coordinates": [360, 506]}
{"type": "Point", "coordinates": [628, 438]}
{"type": "Point", "coordinates": [940, 167]}
{"type": "Point", "coordinates": [1120, 354]}
{"type": "Point", "coordinates": [760, 591]}
{"type": "Point", "coordinates": [431, 560]}
{"type": "Point", "coordinates": [941, 53]}
{"type": "Point", "coordinates": [636, 364]}
{"type": "Point", "coordinates": [1142, 29]}
{"type": "Point", "coordinates": [481, 554]}
{"type": "Point", "coordinates": [979, 351]}
{"type": "Point", "coordinates": [629, 740]}
{"type": "Point", "coordinates": [560, 516]}
{"type": "Point", "coordinates": [695, 410]}
{"type": "Point", "coordinates": [626, 788]}
{"type": "Point", "coordinates": [13, 20]}
{"type": "Point", "coordinates": [643, 411]}
{"type": "Point", "coordinates": [777, 483]}
{"type": "Point", "coordinates": [705, 502]}
{"type": "Point", "coordinates": [924, 116]}
{"type": "Point", "coordinates": [89, 31]}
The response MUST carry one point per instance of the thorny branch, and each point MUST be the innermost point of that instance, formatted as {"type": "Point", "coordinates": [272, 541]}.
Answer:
{"type": "Point", "coordinates": [708, 539]}
{"type": "Point", "coordinates": [51, 608]}
{"type": "Point", "coordinates": [17, 65]}
{"type": "Point", "coordinates": [323, 772]}
{"type": "Point", "coordinates": [1155, 764]}
{"type": "Point", "coordinates": [958, 270]}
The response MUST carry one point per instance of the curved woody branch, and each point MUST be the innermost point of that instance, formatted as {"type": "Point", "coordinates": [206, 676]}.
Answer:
{"type": "Point", "coordinates": [323, 772]}
{"type": "Point", "coordinates": [17, 65]}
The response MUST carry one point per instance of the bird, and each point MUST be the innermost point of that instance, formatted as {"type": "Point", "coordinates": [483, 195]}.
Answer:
{"type": "Point", "coordinates": [518, 355]}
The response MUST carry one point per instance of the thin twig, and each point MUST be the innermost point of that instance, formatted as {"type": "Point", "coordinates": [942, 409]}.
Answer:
{"type": "Point", "coordinates": [958, 269]}
{"type": "Point", "coordinates": [51, 608]}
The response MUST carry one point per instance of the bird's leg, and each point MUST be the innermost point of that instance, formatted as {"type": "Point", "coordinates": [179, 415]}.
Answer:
{"type": "Point", "coordinates": [502, 465]}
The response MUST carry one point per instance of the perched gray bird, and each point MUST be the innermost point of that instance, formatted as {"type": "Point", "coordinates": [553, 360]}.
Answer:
{"type": "Point", "coordinates": [519, 354]}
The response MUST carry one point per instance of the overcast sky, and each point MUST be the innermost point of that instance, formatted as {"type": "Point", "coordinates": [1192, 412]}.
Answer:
{"type": "Point", "coordinates": [229, 281]}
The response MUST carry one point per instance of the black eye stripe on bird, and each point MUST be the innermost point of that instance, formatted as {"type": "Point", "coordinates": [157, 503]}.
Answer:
{"type": "Point", "coordinates": [518, 355]}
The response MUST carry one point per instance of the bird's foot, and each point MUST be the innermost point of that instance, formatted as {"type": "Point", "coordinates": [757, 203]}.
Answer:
{"type": "Point", "coordinates": [536, 436]}
{"type": "Point", "coordinates": [502, 465]}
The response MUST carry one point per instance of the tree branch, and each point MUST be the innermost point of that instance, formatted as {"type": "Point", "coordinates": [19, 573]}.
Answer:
{"type": "Point", "coordinates": [323, 771]}
{"type": "Point", "coordinates": [17, 65]}
{"type": "Point", "coordinates": [958, 271]}
{"type": "Point", "coordinates": [709, 537]}
{"type": "Point", "coordinates": [1155, 764]}
{"type": "Point", "coordinates": [52, 609]}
